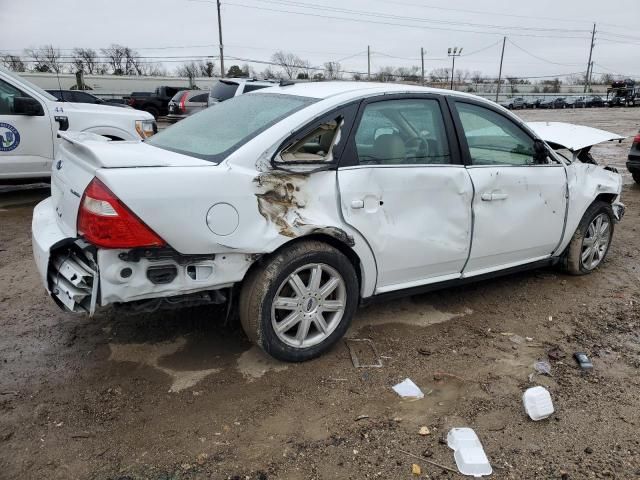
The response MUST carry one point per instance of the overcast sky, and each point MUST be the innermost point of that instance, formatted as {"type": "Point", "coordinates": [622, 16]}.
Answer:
{"type": "Point", "coordinates": [546, 37]}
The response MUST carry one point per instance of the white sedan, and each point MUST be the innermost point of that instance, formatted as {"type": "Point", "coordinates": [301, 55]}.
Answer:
{"type": "Point", "coordinates": [298, 202]}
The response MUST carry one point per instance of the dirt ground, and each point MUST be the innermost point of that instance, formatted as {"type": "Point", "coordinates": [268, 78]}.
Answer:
{"type": "Point", "coordinates": [179, 395]}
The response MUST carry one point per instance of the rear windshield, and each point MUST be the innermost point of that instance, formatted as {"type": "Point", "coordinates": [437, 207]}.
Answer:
{"type": "Point", "coordinates": [177, 96]}
{"type": "Point", "coordinates": [216, 132]}
{"type": "Point", "coordinates": [222, 90]}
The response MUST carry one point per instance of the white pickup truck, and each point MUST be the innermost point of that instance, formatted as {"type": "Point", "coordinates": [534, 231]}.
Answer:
{"type": "Point", "coordinates": [30, 119]}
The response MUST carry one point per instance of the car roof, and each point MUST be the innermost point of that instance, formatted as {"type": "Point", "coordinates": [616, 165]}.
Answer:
{"type": "Point", "coordinates": [248, 80]}
{"type": "Point", "coordinates": [353, 90]}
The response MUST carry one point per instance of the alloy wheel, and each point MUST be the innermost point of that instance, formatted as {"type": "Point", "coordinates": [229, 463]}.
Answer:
{"type": "Point", "coordinates": [596, 241]}
{"type": "Point", "coordinates": [309, 305]}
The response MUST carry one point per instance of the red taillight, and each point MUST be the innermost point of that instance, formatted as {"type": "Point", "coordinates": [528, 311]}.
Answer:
{"type": "Point", "coordinates": [106, 222]}
{"type": "Point", "coordinates": [183, 99]}
{"type": "Point", "coordinates": [636, 139]}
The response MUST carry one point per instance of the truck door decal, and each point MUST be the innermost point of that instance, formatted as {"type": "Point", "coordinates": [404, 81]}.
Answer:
{"type": "Point", "coordinates": [9, 137]}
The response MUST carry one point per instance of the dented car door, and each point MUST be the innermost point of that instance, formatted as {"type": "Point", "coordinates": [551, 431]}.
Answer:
{"type": "Point", "coordinates": [402, 185]}
{"type": "Point", "coordinates": [520, 197]}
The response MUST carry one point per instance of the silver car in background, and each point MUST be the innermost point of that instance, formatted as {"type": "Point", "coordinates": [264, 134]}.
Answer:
{"type": "Point", "coordinates": [185, 103]}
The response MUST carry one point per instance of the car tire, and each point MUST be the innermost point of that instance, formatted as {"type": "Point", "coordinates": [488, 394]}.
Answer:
{"type": "Point", "coordinates": [286, 276]}
{"type": "Point", "coordinates": [636, 176]}
{"type": "Point", "coordinates": [153, 111]}
{"type": "Point", "coordinates": [582, 258]}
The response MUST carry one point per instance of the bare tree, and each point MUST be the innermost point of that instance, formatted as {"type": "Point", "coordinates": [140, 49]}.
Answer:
{"type": "Point", "coordinates": [477, 77]}
{"type": "Point", "coordinates": [290, 62]}
{"type": "Point", "coordinates": [115, 57]}
{"type": "Point", "coordinates": [333, 70]}
{"type": "Point", "coordinates": [45, 58]}
{"type": "Point", "coordinates": [461, 76]}
{"type": "Point", "coordinates": [408, 74]}
{"type": "Point", "coordinates": [385, 74]}
{"type": "Point", "coordinates": [85, 60]}
{"type": "Point", "coordinates": [13, 62]}
{"type": "Point", "coordinates": [207, 69]}
{"type": "Point", "coordinates": [441, 74]}
{"type": "Point", "coordinates": [268, 74]}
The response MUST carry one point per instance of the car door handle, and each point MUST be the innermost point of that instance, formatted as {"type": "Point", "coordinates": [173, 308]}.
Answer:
{"type": "Point", "coordinates": [355, 204]}
{"type": "Point", "coordinates": [489, 197]}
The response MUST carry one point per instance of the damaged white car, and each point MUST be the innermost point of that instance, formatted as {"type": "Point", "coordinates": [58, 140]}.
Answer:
{"type": "Point", "coordinates": [298, 202]}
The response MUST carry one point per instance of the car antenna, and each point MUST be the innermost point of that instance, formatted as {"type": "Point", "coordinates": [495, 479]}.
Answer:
{"type": "Point", "coordinates": [59, 85]}
{"type": "Point", "coordinates": [285, 83]}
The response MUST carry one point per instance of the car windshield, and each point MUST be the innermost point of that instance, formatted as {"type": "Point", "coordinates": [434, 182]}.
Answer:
{"type": "Point", "coordinates": [222, 90]}
{"type": "Point", "coordinates": [39, 90]}
{"type": "Point", "coordinates": [217, 131]}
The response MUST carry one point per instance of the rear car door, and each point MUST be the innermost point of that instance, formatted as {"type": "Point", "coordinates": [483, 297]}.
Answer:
{"type": "Point", "coordinates": [403, 187]}
{"type": "Point", "coordinates": [26, 142]}
{"type": "Point", "coordinates": [520, 201]}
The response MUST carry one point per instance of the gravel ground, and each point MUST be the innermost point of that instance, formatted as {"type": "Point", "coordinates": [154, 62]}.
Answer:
{"type": "Point", "coordinates": [180, 395]}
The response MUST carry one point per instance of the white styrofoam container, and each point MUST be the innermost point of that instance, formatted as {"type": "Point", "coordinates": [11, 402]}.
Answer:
{"type": "Point", "coordinates": [537, 403]}
{"type": "Point", "coordinates": [468, 452]}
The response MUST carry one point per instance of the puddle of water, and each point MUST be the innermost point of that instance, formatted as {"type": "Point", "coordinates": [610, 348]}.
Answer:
{"type": "Point", "coordinates": [254, 363]}
{"type": "Point", "coordinates": [403, 312]}
{"type": "Point", "coordinates": [150, 354]}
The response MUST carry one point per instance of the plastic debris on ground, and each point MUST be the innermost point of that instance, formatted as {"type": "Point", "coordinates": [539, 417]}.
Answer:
{"type": "Point", "coordinates": [537, 403]}
{"type": "Point", "coordinates": [408, 389]}
{"type": "Point", "coordinates": [542, 367]}
{"type": "Point", "coordinates": [415, 469]}
{"type": "Point", "coordinates": [363, 353]}
{"type": "Point", "coordinates": [468, 452]}
{"type": "Point", "coordinates": [583, 360]}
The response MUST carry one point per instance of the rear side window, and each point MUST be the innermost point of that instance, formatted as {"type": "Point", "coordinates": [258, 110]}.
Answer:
{"type": "Point", "coordinates": [494, 139]}
{"type": "Point", "coordinates": [222, 90]}
{"type": "Point", "coordinates": [410, 131]}
{"type": "Point", "coordinates": [216, 132]}
{"type": "Point", "coordinates": [199, 98]}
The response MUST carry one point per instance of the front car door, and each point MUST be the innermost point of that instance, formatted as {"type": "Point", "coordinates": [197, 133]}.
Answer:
{"type": "Point", "coordinates": [520, 202]}
{"type": "Point", "coordinates": [26, 142]}
{"type": "Point", "coordinates": [403, 187]}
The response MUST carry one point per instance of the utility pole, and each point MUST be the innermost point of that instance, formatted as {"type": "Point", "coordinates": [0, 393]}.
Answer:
{"type": "Point", "coordinates": [453, 53]}
{"type": "Point", "coordinates": [422, 58]}
{"type": "Point", "coordinates": [220, 39]}
{"type": "Point", "coordinates": [504, 42]}
{"type": "Point", "coordinates": [588, 75]}
{"type": "Point", "coordinates": [368, 62]}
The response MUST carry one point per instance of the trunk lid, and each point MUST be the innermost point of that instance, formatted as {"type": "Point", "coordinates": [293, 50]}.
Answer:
{"type": "Point", "coordinates": [80, 155]}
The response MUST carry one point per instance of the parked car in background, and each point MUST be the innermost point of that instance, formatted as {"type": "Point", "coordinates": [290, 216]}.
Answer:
{"type": "Point", "coordinates": [513, 103]}
{"type": "Point", "coordinates": [185, 103]}
{"type": "Point", "coordinates": [306, 200]}
{"type": "Point", "coordinates": [633, 161]}
{"type": "Point", "coordinates": [571, 102]}
{"type": "Point", "coordinates": [31, 118]}
{"type": "Point", "coordinates": [589, 102]}
{"type": "Point", "coordinates": [553, 102]}
{"type": "Point", "coordinates": [156, 103]}
{"type": "Point", "coordinates": [79, 96]}
{"type": "Point", "coordinates": [534, 102]}
{"type": "Point", "coordinates": [623, 93]}
{"type": "Point", "coordinates": [227, 88]}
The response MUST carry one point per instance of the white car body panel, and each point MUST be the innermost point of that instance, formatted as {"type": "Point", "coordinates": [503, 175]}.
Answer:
{"type": "Point", "coordinates": [401, 212]}
{"type": "Point", "coordinates": [33, 156]}
{"type": "Point", "coordinates": [570, 136]}
{"type": "Point", "coordinates": [235, 212]}
{"type": "Point", "coordinates": [519, 215]}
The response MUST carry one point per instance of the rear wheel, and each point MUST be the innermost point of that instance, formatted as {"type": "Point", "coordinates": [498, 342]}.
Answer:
{"type": "Point", "coordinates": [301, 302]}
{"type": "Point", "coordinates": [636, 176]}
{"type": "Point", "coordinates": [591, 241]}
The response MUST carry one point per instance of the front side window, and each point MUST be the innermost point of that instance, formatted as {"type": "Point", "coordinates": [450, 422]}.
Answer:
{"type": "Point", "coordinates": [316, 146]}
{"type": "Point", "coordinates": [494, 139]}
{"type": "Point", "coordinates": [214, 133]}
{"type": "Point", "coordinates": [408, 131]}
{"type": "Point", "coordinates": [7, 94]}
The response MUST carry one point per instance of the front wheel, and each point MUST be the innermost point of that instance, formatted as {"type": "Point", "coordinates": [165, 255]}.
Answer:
{"type": "Point", "coordinates": [300, 302]}
{"type": "Point", "coordinates": [591, 241]}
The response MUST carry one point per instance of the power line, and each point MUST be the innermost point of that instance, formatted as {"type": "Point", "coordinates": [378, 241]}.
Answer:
{"type": "Point", "coordinates": [362, 20]}
{"type": "Point", "coordinates": [540, 58]}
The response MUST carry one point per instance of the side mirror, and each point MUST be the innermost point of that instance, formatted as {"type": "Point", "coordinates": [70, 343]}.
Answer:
{"type": "Point", "coordinates": [27, 106]}
{"type": "Point", "coordinates": [540, 152]}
